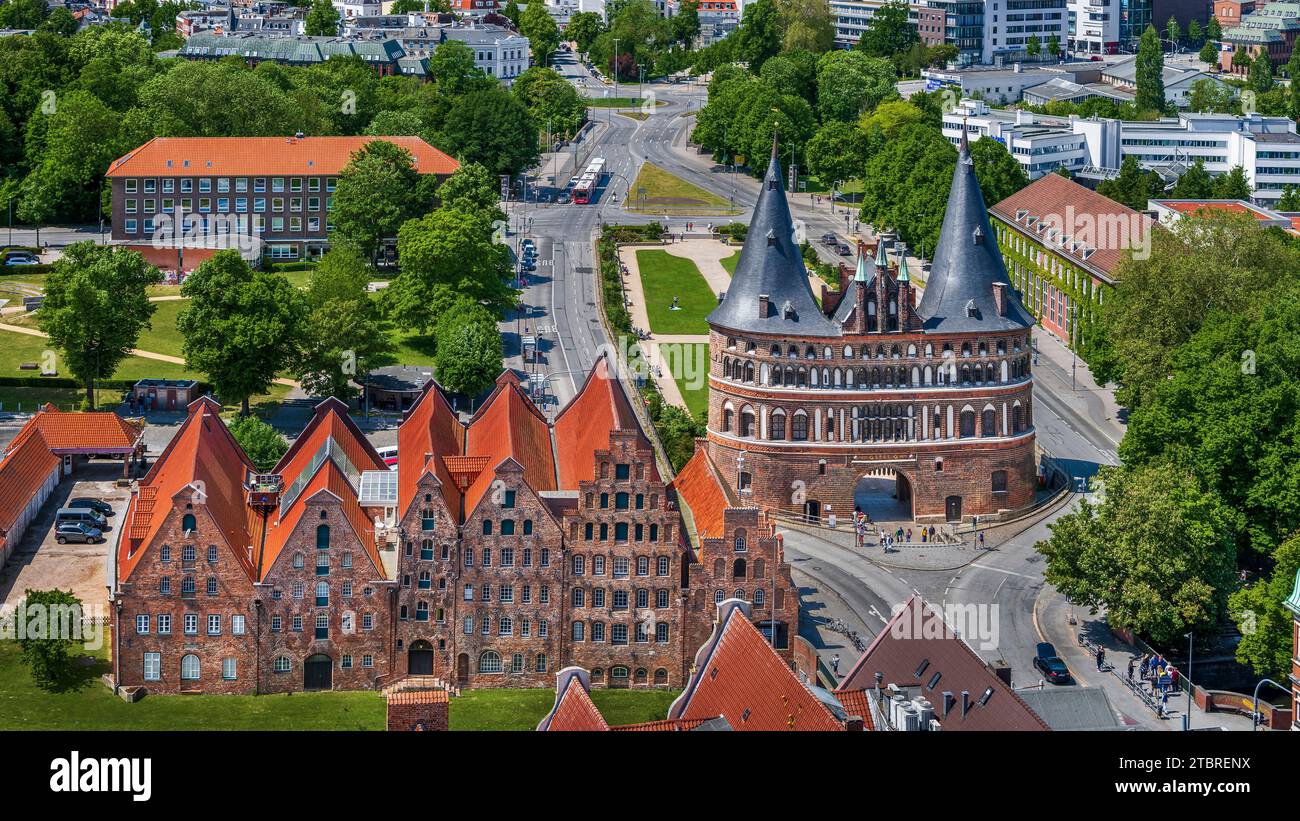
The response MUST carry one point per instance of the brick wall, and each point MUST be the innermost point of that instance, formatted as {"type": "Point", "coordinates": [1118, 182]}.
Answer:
{"type": "Point", "coordinates": [418, 711]}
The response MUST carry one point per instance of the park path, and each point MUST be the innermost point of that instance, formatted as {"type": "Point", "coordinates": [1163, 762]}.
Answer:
{"type": "Point", "coordinates": [159, 357]}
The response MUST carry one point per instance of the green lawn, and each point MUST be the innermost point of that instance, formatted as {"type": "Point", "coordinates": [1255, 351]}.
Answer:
{"type": "Point", "coordinates": [619, 102]}
{"type": "Point", "coordinates": [730, 263]}
{"type": "Point", "coordinates": [523, 709]}
{"type": "Point", "coordinates": [697, 397]}
{"type": "Point", "coordinates": [664, 276]}
{"type": "Point", "coordinates": [665, 192]}
{"type": "Point", "coordinates": [88, 705]}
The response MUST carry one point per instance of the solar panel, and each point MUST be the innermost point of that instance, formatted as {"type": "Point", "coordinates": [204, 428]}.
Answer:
{"type": "Point", "coordinates": [378, 488]}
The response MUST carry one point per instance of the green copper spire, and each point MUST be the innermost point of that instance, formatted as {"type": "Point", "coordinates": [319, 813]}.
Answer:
{"type": "Point", "coordinates": [1293, 601]}
{"type": "Point", "coordinates": [861, 275]}
{"type": "Point", "coordinates": [902, 264]}
{"type": "Point", "coordinates": [882, 261]}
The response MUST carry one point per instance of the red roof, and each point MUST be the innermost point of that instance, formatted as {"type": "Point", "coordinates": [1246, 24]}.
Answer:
{"type": "Point", "coordinates": [857, 703]}
{"type": "Point", "coordinates": [418, 697]}
{"type": "Point", "coordinates": [916, 635]}
{"type": "Point", "coordinates": [739, 677]}
{"type": "Point", "coordinates": [583, 427]}
{"type": "Point", "coordinates": [246, 156]}
{"type": "Point", "coordinates": [22, 472]}
{"type": "Point", "coordinates": [330, 429]}
{"type": "Point", "coordinates": [509, 425]}
{"type": "Point", "coordinates": [166, 258]}
{"type": "Point", "coordinates": [429, 433]}
{"type": "Point", "coordinates": [574, 710]}
{"type": "Point", "coordinates": [1053, 201]}
{"type": "Point", "coordinates": [205, 458]}
{"type": "Point", "coordinates": [700, 489]}
{"type": "Point", "coordinates": [667, 725]}
{"type": "Point", "coordinates": [92, 432]}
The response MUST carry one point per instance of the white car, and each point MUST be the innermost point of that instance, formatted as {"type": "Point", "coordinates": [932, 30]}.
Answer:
{"type": "Point", "coordinates": [389, 455]}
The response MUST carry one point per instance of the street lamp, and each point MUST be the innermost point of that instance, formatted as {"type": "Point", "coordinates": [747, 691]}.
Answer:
{"type": "Point", "coordinates": [616, 67]}
{"type": "Point", "coordinates": [1254, 710]}
{"type": "Point", "coordinates": [1187, 714]}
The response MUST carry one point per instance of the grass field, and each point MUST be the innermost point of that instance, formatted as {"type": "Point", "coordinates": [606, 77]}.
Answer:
{"type": "Point", "coordinates": [664, 276]}
{"type": "Point", "coordinates": [665, 192]}
{"type": "Point", "coordinates": [88, 705]}
{"type": "Point", "coordinates": [619, 102]}
{"type": "Point", "coordinates": [697, 398]}
{"type": "Point", "coordinates": [730, 263]}
{"type": "Point", "coordinates": [522, 709]}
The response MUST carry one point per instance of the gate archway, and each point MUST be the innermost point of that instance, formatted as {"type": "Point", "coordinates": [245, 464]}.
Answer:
{"type": "Point", "coordinates": [318, 672]}
{"type": "Point", "coordinates": [884, 494]}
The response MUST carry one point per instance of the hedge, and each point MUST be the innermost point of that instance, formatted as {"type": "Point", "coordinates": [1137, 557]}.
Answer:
{"type": "Point", "coordinates": [76, 384]}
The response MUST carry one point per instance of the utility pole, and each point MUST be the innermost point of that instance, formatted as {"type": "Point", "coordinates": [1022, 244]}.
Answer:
{"type": "Point", "coordinates": [616, 68]}
{"type": "Point", "coordinates": [1187, 714]}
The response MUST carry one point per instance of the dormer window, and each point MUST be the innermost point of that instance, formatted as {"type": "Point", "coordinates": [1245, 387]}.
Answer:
{"type": "Point", "coordinates": [771, 184]}
{"type": "Point", "coordinates": [971, 310]}
{"type": "Point", "coordinates": [771, 237]}
{"type": "Point", "coordinates": [979, 235]}
{"type": "Point", "coordinates": [787, 310]}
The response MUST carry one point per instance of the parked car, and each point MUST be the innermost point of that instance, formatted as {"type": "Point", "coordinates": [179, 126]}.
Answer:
{"type": "Point", "coordinates": [563, 199]}
{"type": "Point", "coordinates": [829, 238]}
{"type": "Point", "coordinates": [79, 515]}
{"type": "Point", "coordinates": [77, 532]}
{"type": "Point", "coordinates": [389, 455]}
{"type": "Point", "coordinates": [529, 246]}
{"type": "Point", "coordinates": [102, 507]}
{"type": "Point", "coordinates": [22, 258]}
{"type": "Point", "coordinates": [1047, 662]}
{"type": "Point", "coordinates": [843, 250]}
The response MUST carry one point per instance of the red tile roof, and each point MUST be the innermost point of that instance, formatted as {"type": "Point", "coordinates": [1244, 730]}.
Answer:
{"type": "Point", "coordinates": [918, 634]}
{"type": "Point", "coordinates": [583, 427]}
{"type": "Point", "coordinates": [574, 710]}
{"type": "Point", "coordinates": [93, 432]}
{"type": "Point", "coordinates": [857, 703]}
{"type": "Point", "coordinates": [22, 472]}
{"type": "Point", "coordinates": [418, 697]}
{"type": "Point", "coordinates": [667, 725]}
{"type": "Point", "coordinates": [509, 425]}
{"type": "Point", "coordinates": [700, 489]}
{"type": "Point", "coordinates": [331, 426]}
{"type": "Point", "coordinates": [246, 156]}
{"type": "Point", "coordinates": [740, 677]}
{"type": "Point", "coordinates": [1074, 208]}
{"type": "Point", "coordinates": [202, 456]}
{"type": "Point", "coordinates": [429, 433]}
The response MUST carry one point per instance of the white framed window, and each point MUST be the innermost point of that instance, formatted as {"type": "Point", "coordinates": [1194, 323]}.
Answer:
{"type": "Point", "coordinates": [191, 624]}
{"type": "Point", "coordinates": [282, 664]}
{"type": "Point", "coordinates": [214, 625]}
{"type": "Point", "coordinates": [237, 625]}
{"type": "Point", "coordinates": [229, 669]}
{"type": "Point", "coordinates": [164, 624]}
{"type": "Point", "coordinates": [153, 666]}
{"type": "Point", "coordinates": [142, 624]}
{"type": "Point", "coordinates": [190, 667]}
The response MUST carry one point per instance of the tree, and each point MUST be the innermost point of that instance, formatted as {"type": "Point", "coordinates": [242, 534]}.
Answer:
{"type": "Point", "coordinates": [1054, 47]}
{"type": "Point", "coordinates": [891, 116]}
{"type": "Point", "coordinates": [906, 184]}
{"type": "Point", "coordinates": [447, 254]}
{"type": "Point", "coordinates": [241, 327]}
{"type": "Point", "coordinates": [537, 24]}
{"type": "Point", "coordinates": [1211, 96]}
{"type": "Point", "coordinates": [342, 273]}
{"type": "Point", "coordinates": [1157, 553]}
{"type": "Point", "coordinates": [583, 29]}
{"type": "Point", "coordinates": [677, 430]}
{"type": "Point", "coordinates": [850, 83]}
{"type": "Point", "coordinates": [686, 23]}
{"type": "Point", "coordinates": [837, 153]}
{"type": "Point", "coordinates": [471, 189]}
{"type": "Point", "coordinates": [1033, 46]}
{"type": "Point", "coordinates": [999, 173]}
{"type": "Point", "coordinates": [1233, 185]}
{"type": "Point", "coordinates": [511, 12]}
{"type": "Point", "coordinates": [493, 128]}
{"type": "Point", "coordinates": [1133, 187]}
{"type": "Point", "coordinates": [23, 14]}
{"type": "Point", "coordinates": [759, 35]}
{"type": "Point", "coordinates": [322, 19]}
{"type": "Point", "coordinates": [1173, 31]}
{"type": "Point", "coordinates": [1293, 87]}
{"type": "Point", "coordinates": [794, 72]}
{"type": "Point", "coordinates": [262, 443]}
{"type": "Point", "coordinates": [395, 124]}
{"type": "Point", "coordinates": [1149, 73]}
{"type": "Point", "coordinates": [1195, 35]}
{"type": "Point", "coordinates": [453, 70]}
{"type": "Point", "coordinates": [344, 340]}
{"type": "Point", "coordinates": [1209, 54]}
{"type": "Point", "coordinates": [95, 305]}
{"type": "Point", "coordinates": [48, 653]}
{"type": "Point", "coordinates": [1260, 78]}
{"type": "Point", "coordinates": [1290, 199]}
{"type": "Point", "coordinates": [888, 31]}
{"type": "Point", "coordinates": [1266, 642]}
{"type": "Point", "coordinates": [808, 26]}
{"type": "Point", "coordinates": [551, 99]}
{"type": "Point", "coordinates": [1195, 183]}
{"type": "Point", "coordinates": [377, 191]}
{"type": "Point", "coordinates": [468, 358]}
{"type": "Point", "coordinates": [1212, 28]}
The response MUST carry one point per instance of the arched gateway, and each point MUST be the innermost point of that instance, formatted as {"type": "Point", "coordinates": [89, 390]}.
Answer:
{"type": "Point", "coordinates": [873, 394]}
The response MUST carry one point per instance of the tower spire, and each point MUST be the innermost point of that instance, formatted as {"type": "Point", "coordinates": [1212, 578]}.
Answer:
{"type": "Point", "coordinates": [963, 151]}
{"type": "Point", "coordinates": [861, 274]}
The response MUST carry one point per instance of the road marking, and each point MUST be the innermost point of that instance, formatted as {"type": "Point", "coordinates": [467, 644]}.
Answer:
{"type": "Point", "coordinates": [1000, 570]}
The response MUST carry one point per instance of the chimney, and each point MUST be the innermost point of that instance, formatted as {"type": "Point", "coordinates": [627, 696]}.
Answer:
{"type": "Point", "coordinates": [853, 724]}
{"type": "Point", "coordinates": [965, 702]}
{"type": "Point", "coordinates": [764, 306]}
{"type": "Point", "coordinates": [948, 701]}
{"type": "Point", "coordinates": [1003, 673]}
{"type": "Point", "coordinates": [1000, 297]}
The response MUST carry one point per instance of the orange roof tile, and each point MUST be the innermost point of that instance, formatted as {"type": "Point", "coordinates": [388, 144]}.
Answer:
{"type": "Point", "coordinates": [327, 478]}
{"type": "Point", "coordinates": [418, 697]}
{"type": "Point", "coordinates": [509, 425]}
{"type": "Point", "coordinates": [740, 677]}
{"type": "Point", "coordinates": [667, 725]}
{"type": "Point", "coordinates": [239, 156]}
{"type": "Point", "coordinates": [857, 703]}
{"type": "Point", "coordinates": [574, 711]}
{"type": "Point", "coordinates": [429, 433]}
{"type": "Point", "coordinates": [698, 486]}
{"type": "Point", "coordinates": [22, 472]}
{"type": "Point", "coordinates": [583, 427]}
{"type": "Point", "coordinates": [204, 456]}
{"type": "Point", "coordinates": [91, 432]}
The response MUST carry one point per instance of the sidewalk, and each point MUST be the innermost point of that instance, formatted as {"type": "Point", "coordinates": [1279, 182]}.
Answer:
{"type": "Point", "coordinates": [1052, 620]}
{"type": "Point", "coordinates": [1055, 362]}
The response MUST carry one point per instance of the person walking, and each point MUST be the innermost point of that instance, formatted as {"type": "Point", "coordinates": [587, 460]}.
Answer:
{"type": "Point", "coordinates": [835, 664]}
{"type": "Point", "coordinates": [981, 540]}
{"type": "Point", "coordinates": [1132, 662]}
{"type": "Point", "coordinates": [1101, 658]}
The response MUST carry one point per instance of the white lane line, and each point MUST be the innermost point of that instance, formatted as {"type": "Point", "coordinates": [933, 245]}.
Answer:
{"type": "Point", "coordinates": [1000, 570]}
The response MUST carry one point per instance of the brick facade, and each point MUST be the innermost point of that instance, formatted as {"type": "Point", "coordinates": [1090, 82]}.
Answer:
{"type": "Point", "coordinates": [420, 711]}
{"type": "Point", "coordinates": [943, 412]}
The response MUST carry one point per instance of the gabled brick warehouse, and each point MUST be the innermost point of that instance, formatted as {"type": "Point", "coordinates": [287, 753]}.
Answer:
{"type": "Point", "coordinates": [508, 547]}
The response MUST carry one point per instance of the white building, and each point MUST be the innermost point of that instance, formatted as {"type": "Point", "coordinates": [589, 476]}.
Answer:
{"type": "Point", "coordinates": [1267, 148]}
{"type": "Point", "coordinates": [1094, 27]}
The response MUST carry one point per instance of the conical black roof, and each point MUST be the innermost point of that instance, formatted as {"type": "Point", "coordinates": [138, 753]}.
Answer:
{"type": "Point", "coordinates": [771, 264]}
{"type": "Point", "coordinates": [959, 292]}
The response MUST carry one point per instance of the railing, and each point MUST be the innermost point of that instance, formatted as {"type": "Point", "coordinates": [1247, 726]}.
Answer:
{"type": "Point", "coordinates": [838, 626]}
